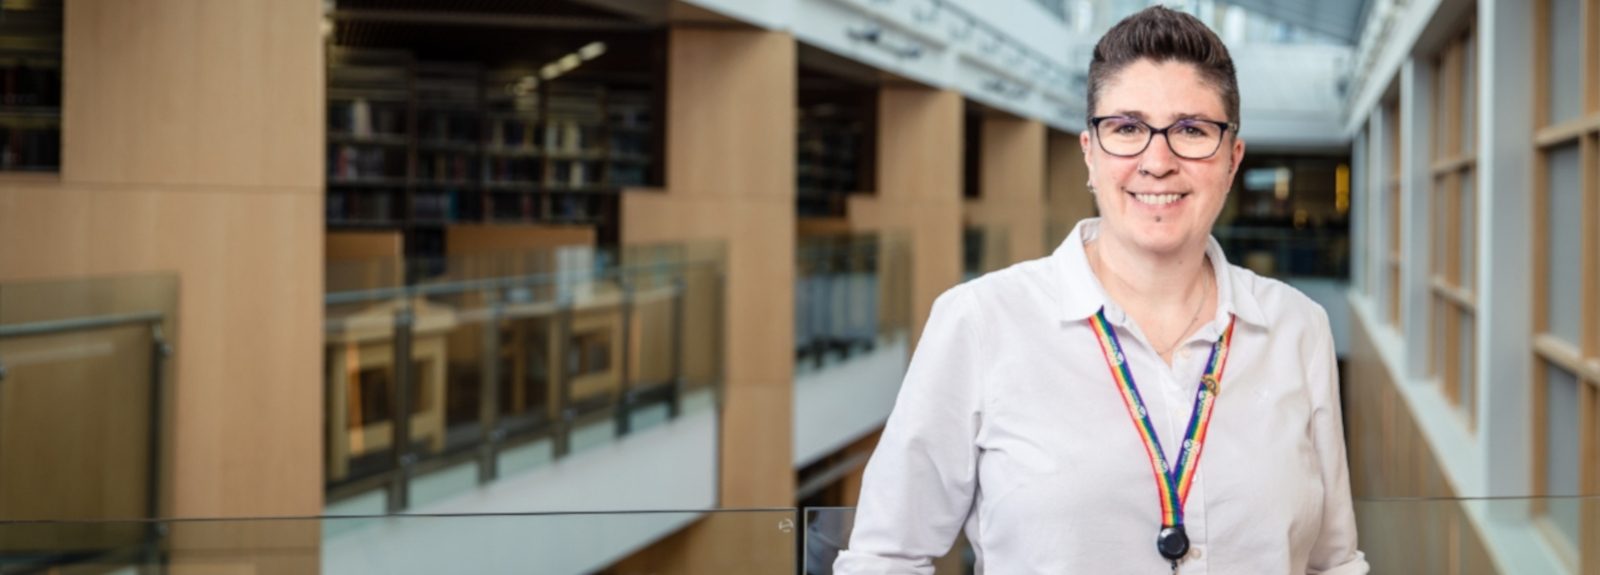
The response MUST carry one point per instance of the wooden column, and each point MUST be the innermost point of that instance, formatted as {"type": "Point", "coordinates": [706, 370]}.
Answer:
{"type": "Point", "coordinates": [193, 144]}
{"type": "Point", "coordinates": [1067, 197]}
{"type": "Point", "coordinates": [919, 188]}
{"type": "Point", "coordinates": [730, 176]}
{"type": "Point", "coordinates": [1011, 184]}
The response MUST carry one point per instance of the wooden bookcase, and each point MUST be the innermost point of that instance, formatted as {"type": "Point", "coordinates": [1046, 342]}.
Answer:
{"type": "Point", "coordinates": [417, 146]}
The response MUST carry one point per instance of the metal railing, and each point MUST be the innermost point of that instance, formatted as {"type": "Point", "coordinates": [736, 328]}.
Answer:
{"type": "Point", "coordinates": [851, 291]}
{"type": "Point", "coordinates": [159, 352]}
{"type": "Point", "coordinates": [463, 369]}
{"type": "Point", "coordinates": [1319, 252]}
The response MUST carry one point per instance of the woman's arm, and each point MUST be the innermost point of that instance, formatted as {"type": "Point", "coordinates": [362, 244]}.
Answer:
{"type": "Point", "coordinates": [919, 484]}
{"type": "Point", "coordinates": [1335, 551]}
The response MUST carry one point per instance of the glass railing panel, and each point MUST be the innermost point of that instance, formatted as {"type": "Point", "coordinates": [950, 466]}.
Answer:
{"type": "Point", "coordinates": [511, 361]}
{"type": "Point", "coordinates": [984, 249]}
{"type": "Point", "coordinates": [751, 542]}
{"type": "Point", "coordinates": [1319, 252]}
{"type": "Point", "coordinates": [85, 374]}
{"type": "Point", "coordinates": [1397, 535]}
{"type": "Point", "coordinates": [827, 532]}
{"type": "Point", "coordinates": [852, 294]}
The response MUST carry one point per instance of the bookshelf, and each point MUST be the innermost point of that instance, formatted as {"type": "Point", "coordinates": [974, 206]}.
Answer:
{"type": "Point", "coordinates": [30, 86]}
{"type": "Point", "coordinates": [370, 125]}
{"type": "Point", "coordinates": [828, 165]}
{"type": "Point", "coordinates": [419, 145]}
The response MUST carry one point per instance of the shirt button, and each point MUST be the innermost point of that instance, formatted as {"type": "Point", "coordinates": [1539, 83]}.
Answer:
{"type": "Point", "coordinates": [1196, 553]}
{"type": "Point", "coordinates": [1183, 352]}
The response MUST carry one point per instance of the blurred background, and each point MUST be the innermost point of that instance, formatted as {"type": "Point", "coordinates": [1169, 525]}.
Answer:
{"type": "Point", "coordinates": [629, 286]}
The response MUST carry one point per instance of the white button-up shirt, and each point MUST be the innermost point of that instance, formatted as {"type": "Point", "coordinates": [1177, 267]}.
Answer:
{"type": "Point", "coordinates": [1009, 424]}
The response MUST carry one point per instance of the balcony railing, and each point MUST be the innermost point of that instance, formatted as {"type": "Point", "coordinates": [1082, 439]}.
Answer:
{"type": "Point", "coordinates": [852, 293]}
{"type": "Point", "coordinates": [506, 359]}
{"type": "Point", "coordinates": [984, 249]}
{"type": "Point", "coordinates": [1410, 535]}
{"type": "Point", "coordinates": [1287, 252]}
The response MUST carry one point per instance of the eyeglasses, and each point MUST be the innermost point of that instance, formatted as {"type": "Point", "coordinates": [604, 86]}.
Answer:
{"type": "Point", "coordinates": [1192, 139]}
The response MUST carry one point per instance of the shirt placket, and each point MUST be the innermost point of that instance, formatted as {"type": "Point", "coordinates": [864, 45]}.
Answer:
{"type": "Point", "coordinates": [1177, 398]}
{"type": "Point", "coordinates": [1181, 384]}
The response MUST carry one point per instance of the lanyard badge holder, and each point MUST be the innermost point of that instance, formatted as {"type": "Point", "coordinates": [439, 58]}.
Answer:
{"type": "Point", "coordinates": [1172, 484]}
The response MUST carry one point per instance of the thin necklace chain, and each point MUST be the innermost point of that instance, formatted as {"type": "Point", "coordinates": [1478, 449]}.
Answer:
{"type": "Point", "coordinates": [1202, 307]}
{"type": "Point", "coordinates": [1197, 310]}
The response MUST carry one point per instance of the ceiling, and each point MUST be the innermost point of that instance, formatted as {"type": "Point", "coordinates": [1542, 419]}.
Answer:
{"type": "Point", "coordinates": [1342, 19]}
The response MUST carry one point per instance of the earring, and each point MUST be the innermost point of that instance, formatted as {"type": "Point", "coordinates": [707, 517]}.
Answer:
{"type": "Point", "coordinates": [1089, 183]}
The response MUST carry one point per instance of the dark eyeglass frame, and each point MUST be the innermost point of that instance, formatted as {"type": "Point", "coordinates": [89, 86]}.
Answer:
{"type": "Point", "coordinates": [1227, 127]}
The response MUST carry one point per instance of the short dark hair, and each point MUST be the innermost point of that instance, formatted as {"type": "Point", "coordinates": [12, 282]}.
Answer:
{"type": "Point", "coordinates": [1162, 34]}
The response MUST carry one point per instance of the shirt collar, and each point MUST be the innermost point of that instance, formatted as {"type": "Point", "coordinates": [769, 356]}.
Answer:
{"type": "Point", "coordinates": [1083, 295]}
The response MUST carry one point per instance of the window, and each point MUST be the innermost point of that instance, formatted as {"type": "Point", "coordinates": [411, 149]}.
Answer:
{"type": "Point", "coordinates": [1566, 318]}
{"type": "Point", "coordinates": [1452, 209]}
{"type": "Point", "coordinates": [1392, 148]}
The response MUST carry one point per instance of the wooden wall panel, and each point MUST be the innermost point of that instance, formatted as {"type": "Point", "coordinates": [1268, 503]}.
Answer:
{"type": "Point", "coordinates": [1067, 197]}
{"type": "Point", "coordinates": [1390, 457]}
{"type": "Point", "coordinates": [193, 92]}
{"type": "Point", "coordinates": [730, 118]}
{"type": "Point", "coordinates": [730, 176]}
{"type": "Point", "coordinates": [192, 143]}
{"type": "Point", "coordinates": [362, 246]}
{"type": "Point", "coordinates": [919, 188]}
{"type": "Point", "coordinates": [1011, 184]}
{"type": "Point", "coordinates": [491, 239]}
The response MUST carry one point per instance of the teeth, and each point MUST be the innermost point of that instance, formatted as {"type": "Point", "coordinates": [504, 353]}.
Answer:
{"type": "Point", "coordinates": [1158, 199]}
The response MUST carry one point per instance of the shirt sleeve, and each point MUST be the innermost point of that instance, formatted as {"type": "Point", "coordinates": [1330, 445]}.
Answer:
{"type": "Point", "coordinates": [1334, 552]}
{"type": "Point", "coordinates": [918, 486]}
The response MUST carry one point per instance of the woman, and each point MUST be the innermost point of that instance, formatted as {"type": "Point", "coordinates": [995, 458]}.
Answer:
{"type": "Point", "coordinates": [1131, 403]}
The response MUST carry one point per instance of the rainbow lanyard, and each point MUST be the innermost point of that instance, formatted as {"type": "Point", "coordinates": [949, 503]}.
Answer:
{"type": "Point", "coordinates": [1173, 484]}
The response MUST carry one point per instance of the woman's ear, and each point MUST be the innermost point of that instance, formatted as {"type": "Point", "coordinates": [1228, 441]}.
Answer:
{"type": "Point", "coordinates": [1238, 156]}
{"type": "Point", "coordinates": [1083, 143]}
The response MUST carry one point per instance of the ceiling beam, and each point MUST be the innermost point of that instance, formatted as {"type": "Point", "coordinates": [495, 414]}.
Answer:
{"type": "Point", "coordinates": [490, 20]}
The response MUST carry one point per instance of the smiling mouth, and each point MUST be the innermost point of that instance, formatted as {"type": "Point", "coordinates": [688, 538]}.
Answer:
{"type": "Point", "coordinates": [1158, 199]}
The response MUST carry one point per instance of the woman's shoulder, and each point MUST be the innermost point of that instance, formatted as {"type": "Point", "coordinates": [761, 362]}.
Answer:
{"type": "Point", "coordinates": [1279, 303]}
{"type": "Point", "coordinates": [1028, 284]}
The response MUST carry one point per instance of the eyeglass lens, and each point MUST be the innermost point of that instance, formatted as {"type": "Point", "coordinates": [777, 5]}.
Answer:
{"type": "Point", "coordinates": [1189, 139]}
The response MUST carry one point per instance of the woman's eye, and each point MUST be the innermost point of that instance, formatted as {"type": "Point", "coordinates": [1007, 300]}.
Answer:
{"type": "Point", "coordinates": [1128, 129]}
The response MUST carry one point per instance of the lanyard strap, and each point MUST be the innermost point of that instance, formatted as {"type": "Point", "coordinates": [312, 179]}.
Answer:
{"type": "Point", "coordinates": [1172, 484]}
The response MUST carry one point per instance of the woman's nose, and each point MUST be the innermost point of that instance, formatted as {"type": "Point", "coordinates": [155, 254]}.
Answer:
{"type": "Point", "coordinates": [1158, 159]}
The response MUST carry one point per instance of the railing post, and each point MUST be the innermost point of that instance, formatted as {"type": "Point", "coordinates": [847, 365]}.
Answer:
{"type": "Point", "coordinates": [565, 414]}
{"type": "Point", "coordinates": [489, 391]}
{"type": "Point", "coordinates": [625, 397]}
{"type": "Point", "coordinates": [679, 290]}
{"type": "Point", "coordinates": [159, 352]}
{"type": "Point", "coordinates": [401, 457]}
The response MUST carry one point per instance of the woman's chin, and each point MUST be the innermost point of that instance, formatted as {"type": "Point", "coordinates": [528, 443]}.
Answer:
{"type": "Point", "coordinates": [1162, 238]}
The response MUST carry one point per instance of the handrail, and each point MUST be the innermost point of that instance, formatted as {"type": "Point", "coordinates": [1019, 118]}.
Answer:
{"type": "Point", "coordinates": [647, 283]}
{"type": "Point", "coordinates": [78, 324]}
{"type": "Point", "coordinates": [463, 286]}
{"type": "Point", "coordinates": [160, 350]}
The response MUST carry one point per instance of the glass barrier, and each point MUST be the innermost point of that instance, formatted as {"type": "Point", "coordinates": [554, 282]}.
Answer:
{"type": "Point", "coordinates": [827, 531]}
{"type": "Point", "coordinates": [852, 294]}
{"type": "Point", "coordinates": [753, 542]}
{"type": "Point", "coordinates": [1285, 252]}
{"type": "Point", "coordinates": [1399, 535]}
{"type": "Point", "coordinates": [984, 249]}
{"type": "Point", "coordinates": [506, 361]}
{"type": "Point", "coordinates": [85, 374]}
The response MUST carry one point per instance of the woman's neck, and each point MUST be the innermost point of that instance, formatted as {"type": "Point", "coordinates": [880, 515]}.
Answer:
{"type": "Point", "coordinates": [1153, 281]}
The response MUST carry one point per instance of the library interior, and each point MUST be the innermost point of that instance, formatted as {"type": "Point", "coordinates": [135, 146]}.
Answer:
{"type": "Point", "coordinates": [500, 286]}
